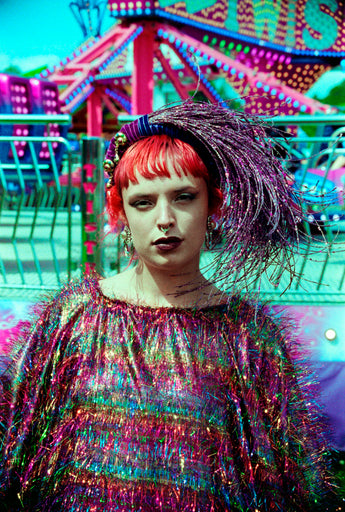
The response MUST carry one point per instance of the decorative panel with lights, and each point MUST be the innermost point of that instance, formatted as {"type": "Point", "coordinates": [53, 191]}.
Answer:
{"type": "Point", "coordinates": [305, 25]}
{"type": "Point", "coordinates": [264, 93]}
{"type": "Point", "coordinates": [47, 97]}
{"type": "Point", "coordinates": [15, 98]}
{"type": "Point", "coordinates": [20, 95]}
{"type": "Point", "coordinates": [294, 41]}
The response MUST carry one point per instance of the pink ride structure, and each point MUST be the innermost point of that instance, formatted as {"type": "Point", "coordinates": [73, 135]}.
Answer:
{"type": "Point", "coordinates": [269, 53]}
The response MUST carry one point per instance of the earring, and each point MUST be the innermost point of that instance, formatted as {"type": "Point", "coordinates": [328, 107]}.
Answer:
{"type": "Point", "coordinates": [127, 241]}
{"type": "Point", "coordinates": [209, 242]}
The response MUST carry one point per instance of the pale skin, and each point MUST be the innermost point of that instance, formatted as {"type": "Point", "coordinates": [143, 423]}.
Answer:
{"type": "Point", "coordinates": [167, 217]}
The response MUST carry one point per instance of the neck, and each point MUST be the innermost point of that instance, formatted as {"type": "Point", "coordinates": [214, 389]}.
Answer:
{"type": "Point", "coordinates": [164, 288]}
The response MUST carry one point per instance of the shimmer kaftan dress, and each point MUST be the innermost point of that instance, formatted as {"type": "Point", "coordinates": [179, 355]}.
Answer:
{"type": "Point", "coordinates": [120, 407]}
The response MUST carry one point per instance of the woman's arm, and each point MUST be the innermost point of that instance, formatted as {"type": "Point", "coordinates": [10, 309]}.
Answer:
{"type": "Point", "coordinates": [23, 424]}
{"type": "Point", "coordinates": [37, 394]}
{"type": "Point", "coordinates": [275, 417]}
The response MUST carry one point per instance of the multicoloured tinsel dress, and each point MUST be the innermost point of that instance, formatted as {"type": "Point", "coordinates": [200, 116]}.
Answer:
{"type": "Point", "coordinates": [120, 407]}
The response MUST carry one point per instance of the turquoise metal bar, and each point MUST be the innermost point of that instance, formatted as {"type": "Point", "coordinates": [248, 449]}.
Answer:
{"type": "Point", "coordinates": [327, 119]}
{"type": "Point", "coordinates": [69, 218]}
{"type": "Point", "coordinates": [61, 140]}
{"type": "Point", "coordinates": [63, 119]}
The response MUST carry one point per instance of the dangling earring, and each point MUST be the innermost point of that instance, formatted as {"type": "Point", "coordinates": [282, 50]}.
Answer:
{"type": "Point", "coordinates": [128, 242]}
{"type": "Point", "coordinates": [209, 233]}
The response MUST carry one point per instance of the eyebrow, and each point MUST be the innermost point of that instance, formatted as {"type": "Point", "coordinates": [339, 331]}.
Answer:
{"type": "Point", "coordinates": [138, 195]}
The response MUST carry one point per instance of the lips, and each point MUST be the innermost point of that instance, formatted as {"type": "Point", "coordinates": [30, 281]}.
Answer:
{"type": "Point", "coordinates": [168, 243]}
{"type": "Point", "coordinates": [167, 240]}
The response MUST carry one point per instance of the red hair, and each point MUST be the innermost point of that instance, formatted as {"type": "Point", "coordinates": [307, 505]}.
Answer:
{"type": "Point", "coordinates": [151, 157]}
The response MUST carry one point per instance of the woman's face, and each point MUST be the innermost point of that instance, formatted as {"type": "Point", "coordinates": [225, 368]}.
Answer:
{"type": "Point", "coordinates": [176, 205]}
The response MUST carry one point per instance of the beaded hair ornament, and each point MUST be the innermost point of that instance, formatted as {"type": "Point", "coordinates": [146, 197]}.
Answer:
{"type": "Point", "coordinates": [260, 215]}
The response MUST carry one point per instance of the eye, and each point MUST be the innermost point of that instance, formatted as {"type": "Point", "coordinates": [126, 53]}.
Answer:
{"type": "Point", "coordinates": [141, 204]}
{"type": "Point", "coordinates": [185, 197]}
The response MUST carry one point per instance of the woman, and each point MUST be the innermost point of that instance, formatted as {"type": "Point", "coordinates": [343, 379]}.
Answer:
{"type": "Point", "coordinates": [154, 390]}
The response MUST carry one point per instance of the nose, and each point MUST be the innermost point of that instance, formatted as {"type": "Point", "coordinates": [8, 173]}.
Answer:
{"type": "Point", "coordinates": [165, 216]}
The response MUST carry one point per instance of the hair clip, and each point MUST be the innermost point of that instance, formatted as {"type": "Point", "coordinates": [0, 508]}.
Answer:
{"type": "Point", "coordinates": [120, 139]}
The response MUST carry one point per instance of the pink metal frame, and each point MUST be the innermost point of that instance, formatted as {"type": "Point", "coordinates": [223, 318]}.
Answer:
{"type": "Point", "coordinates": [84, 77]}
{"type": "Point", "coordinates": [142, 79]}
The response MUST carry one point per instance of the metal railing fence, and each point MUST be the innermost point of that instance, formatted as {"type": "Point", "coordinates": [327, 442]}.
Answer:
{"type": "Point", "coordinates": [317, 165]}
{"type": "Point", "coordinates": [36, 224]}
{"type": "Point", "coordinates": [43, 239]}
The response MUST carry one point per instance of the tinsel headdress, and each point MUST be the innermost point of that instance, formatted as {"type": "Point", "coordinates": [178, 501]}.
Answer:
{"type": "Point", "coordinates": [260, 215]}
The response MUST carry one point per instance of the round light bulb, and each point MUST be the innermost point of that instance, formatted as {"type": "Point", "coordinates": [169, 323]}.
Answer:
{"type": "Point", "coordinates": [330, 334]}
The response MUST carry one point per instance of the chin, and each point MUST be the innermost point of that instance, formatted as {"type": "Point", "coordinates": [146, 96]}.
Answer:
{"type": "Point", "coordinates": [176, 264]}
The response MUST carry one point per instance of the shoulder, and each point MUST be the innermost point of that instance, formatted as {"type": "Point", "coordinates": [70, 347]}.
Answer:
{"type": "Point", "coordinates": [76, 296]}
{"type": "Point", "coordinates": [56, 310]}
{"type": "Point", "coordinates": [262, 324]}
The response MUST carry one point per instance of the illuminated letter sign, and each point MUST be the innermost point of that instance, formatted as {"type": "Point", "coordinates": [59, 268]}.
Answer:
{"type": "Point", "coordinates": [299, 24]}
{"type": "Point", "coordinates": [322, 23]}
{"type": "Point", "coordinates": [266, 14]}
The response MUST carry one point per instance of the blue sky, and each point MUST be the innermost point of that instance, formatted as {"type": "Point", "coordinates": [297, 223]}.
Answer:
{"type": "Point", "coordinates": [38, 32]}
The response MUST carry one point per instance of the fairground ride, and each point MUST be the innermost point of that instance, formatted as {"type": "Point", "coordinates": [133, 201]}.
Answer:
{"type": "Point", "coordinates": [268, 51]}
